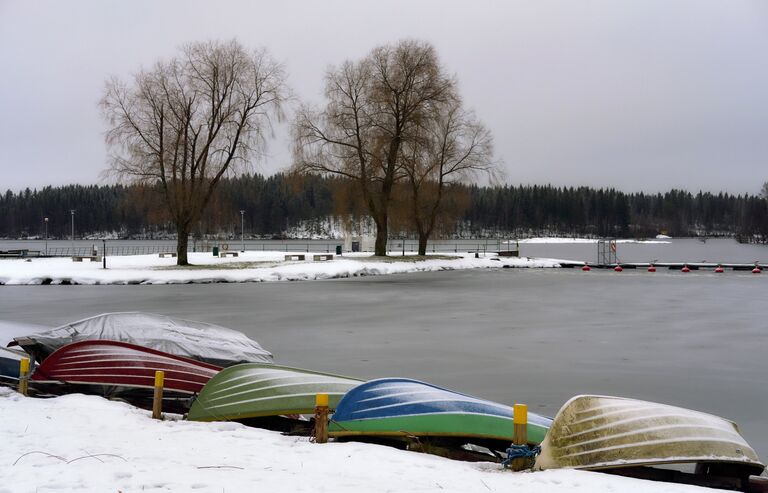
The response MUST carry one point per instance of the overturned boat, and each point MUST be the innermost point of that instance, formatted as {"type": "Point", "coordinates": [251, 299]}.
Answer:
{"type": "Point", "coordinates": [200, 341]}
{"type": "Point", "coordinates": [429, 417]}
{"type": "Point", "coordinates": [120, 370]}
{"type": "Point", "coordinates": [632, 437]}
{"type": "Point", "coordinates": [257, 391]}
{"type": "Point", "coordinates": [9, 365]}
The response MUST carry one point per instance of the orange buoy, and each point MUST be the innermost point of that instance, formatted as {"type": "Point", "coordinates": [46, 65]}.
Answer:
{"type": "Point", "coordinates": [719, 269]}
{"type": "Point", "coordinates": [651, 268]}
{"type": "Point", "coordinates": [757, 270]}
{"type": "Point", "coordinates": [586, 268]}
{"type": "Point", "coordinates": [685, 269]}
{"type": "Point", "coordinates": [618, 268]}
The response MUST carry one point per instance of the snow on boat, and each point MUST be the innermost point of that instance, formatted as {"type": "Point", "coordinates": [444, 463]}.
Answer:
{"type": "Point", "coordinates": [254, 390]}
{"type": "Point", "coordinates": [613, 433]}
{"type": "Point", "coordinates": [196, 340]}
{"type": "Point", "coordinates": [400, 407]}
{"type": "Point", "coordinates": [120, 370]}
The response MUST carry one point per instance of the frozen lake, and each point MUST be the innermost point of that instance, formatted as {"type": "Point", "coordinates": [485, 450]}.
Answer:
{"type": "Point", "coordinates": [533, 336]}
{"type": "Point", "coordinates": [725, 250]}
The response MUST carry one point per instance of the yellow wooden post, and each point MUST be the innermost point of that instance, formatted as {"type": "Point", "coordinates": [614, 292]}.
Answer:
{"type": "Point", "coordinates": [520, 435]}
{"type": "Point", "coordinates": [321, 418]}
{"type": "Point", "coordinates": [24, 376]}
{"type": "Point", "coordinates": [157, 401]}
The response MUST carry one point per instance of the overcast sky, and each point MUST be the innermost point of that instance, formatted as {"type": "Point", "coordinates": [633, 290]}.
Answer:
{"type": "Point", "coordinates": [638, 95]}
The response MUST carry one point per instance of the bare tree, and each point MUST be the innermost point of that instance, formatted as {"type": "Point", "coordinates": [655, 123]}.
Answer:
{"type": "Point", "coordinates": [764, 191]}
{"type": "Point", "coordinates": [451, 147]}
{"type": "Point", "coordinates": [373, 106]}
{"type": "Point", "coordinates": [191, 120]}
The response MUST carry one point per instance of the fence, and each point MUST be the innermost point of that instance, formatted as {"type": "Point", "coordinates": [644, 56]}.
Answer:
{"type": "Point", "coordinates": [327, 246]}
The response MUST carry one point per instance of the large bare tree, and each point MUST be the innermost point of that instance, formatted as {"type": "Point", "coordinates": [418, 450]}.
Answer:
{"type": "Point", "coordinates": [190, 121]}
{"type": "Point", "coordinates": [450, 147]}
{"type": "Point", "coordinates": [372, 107]}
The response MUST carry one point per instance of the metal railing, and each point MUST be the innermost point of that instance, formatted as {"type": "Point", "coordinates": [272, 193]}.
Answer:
{"type": "Point", "coordinates": [394, 247]}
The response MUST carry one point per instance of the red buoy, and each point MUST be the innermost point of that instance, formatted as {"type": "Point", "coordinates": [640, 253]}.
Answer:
{"type": "Point", "coordinates": [651, 268]}
{"type": "Point", "coordinates": [586, 268]}
{"type": "Point", "coordinates": [685, 269]}
{"type": "Point", "coordinates": [719, 269]}
{"type": "Point", "coordinates": [757, 270]}
{"type": "Point", "coordinates": [618, 268]}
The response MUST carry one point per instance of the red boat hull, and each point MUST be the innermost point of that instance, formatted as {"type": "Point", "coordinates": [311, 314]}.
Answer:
{"type": "Point", "coordinates": [123, 365]}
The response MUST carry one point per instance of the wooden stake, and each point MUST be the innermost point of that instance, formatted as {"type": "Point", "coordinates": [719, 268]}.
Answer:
{"type": "Point", "coordinates": [520, 436]}
{"type": "Point", "coordinates": [321, 418]}
{"type": "Point", "coordinates": [157, 401]}
{"type": "Point", "coordinates": [24, 376]}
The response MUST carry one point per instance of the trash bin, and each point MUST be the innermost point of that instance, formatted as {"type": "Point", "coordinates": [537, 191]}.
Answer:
{"type": "Point", "coordinates": [215, 251]}
{"type": "Point", "coordinates": [338, 249]}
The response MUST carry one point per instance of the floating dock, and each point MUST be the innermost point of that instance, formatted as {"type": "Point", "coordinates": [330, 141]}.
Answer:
{"type": "Point", "coordinates": [668, 265]}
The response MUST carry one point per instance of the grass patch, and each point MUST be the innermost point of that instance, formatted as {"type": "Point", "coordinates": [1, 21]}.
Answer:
{"type": "Point", "coordinates": [226, 266]}
{"type": "Point", "coordinates": [407, 258]}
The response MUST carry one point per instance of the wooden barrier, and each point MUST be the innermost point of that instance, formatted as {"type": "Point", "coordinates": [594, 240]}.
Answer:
{"type": "Point", "coordinates": [520, 433]}
{"type": "Point", "coordinates": [157, 400]}
{"type": "Point", "coordinates": [322, 257]}
{"type": "Point", "coordinates": [321, 418]}
{"type": "Point", "coordinates": [166, 254]}
{"type": "Point", "coordinates": [24, 376]}
{"type": "Point", "coordinates": [296, 257]}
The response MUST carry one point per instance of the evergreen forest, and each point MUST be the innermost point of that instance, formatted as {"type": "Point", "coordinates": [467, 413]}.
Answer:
{"type": "Point", "coordinates": [275, 205]}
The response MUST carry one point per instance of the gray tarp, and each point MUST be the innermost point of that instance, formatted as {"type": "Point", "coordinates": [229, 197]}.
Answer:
{"type": "Point", "coordinates": [197, 340]}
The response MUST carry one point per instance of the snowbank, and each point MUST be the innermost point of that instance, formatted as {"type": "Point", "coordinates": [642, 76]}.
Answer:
{"type": "Point", "coordinates": [87, 443]}
{"type": "Point", "coordinates": [248, 267]}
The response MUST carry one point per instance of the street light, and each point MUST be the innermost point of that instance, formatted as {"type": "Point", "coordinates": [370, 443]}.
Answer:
{"type": "Point", "coordinates": [72, 211]}
{"type": "Point", "coordinates": [242, 229]}
{"type": "Point", "coordinates": [46, 236]}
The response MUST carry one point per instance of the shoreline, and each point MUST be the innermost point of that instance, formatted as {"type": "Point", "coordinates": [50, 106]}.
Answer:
{"type": "Point", "coordinates": [249, 266]}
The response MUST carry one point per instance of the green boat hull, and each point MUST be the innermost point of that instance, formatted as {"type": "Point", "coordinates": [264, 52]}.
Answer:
{"type": "Point", "coordinates": [253, 390]}
{"type": "Point", "coordinates": [437, 425]}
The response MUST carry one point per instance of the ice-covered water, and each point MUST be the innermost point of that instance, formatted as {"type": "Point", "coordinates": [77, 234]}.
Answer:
{"type": "Point", "coordinates": [536, 336]}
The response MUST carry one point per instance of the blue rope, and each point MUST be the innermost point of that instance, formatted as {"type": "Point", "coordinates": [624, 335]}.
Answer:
{"type": "Point", "coordinates": [520, 451]}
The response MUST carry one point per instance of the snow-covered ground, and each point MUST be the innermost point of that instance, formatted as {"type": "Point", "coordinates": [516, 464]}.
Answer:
{"type": "Point", "coordinates": [86, 443]}
{"type": "Point", "coordinates": [249, 266]}
{"type": "Point", "coordinates": [590, 240]}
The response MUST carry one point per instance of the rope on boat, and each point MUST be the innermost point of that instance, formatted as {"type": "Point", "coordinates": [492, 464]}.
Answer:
{"type": "Point", "coordinates": [520, 452]}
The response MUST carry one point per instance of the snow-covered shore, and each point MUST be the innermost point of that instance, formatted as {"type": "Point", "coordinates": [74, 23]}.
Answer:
{"type": "Point", "coordinates": [249, 266]}
{"type": "Point", "coordinates": [87, 443]}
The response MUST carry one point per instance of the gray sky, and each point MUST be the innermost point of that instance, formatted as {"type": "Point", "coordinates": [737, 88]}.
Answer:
{"type": "Point", "coordinates": [637, 95]}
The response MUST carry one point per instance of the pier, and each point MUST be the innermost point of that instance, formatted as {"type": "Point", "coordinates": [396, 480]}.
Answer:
{"type": "Point", "coordinates": [668, 265]}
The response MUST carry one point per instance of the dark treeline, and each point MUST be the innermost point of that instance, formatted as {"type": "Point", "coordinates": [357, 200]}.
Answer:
{"type": "Point", "coordinates": [277, 203]}
{"type": "Point", "coordinates": [532, 210]}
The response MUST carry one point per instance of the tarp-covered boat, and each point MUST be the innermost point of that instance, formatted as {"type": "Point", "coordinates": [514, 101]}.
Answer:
{"type": "Point", "coordinates": [119, 369]}
{"type": "Point", "coordinates": [196, 340]}
{"type": "Point", "coordinates": [399, 407]}
{"type": "Point", "coordinates": [254, 390]}
{"type": "Point", "coordinates": [606, 433]}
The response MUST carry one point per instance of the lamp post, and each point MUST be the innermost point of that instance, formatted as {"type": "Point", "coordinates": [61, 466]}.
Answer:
{"type": "Point", "coordinates": [242, 229]}
{"type": "Point", "coordinates": [72, 212]}
{"type": "Point", "coordinates": [45, 221]}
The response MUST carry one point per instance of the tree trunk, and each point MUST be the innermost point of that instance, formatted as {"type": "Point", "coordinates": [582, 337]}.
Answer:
{"type": "Point", "coordinates": [423, 237]}
{"type": "Point", "coordinates": [381, 236]}
{"type": "Point", "coordinates": [182, 240]}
